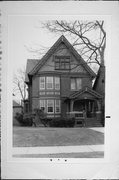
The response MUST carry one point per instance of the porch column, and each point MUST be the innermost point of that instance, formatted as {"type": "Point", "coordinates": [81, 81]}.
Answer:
{"type": "Point", "coordinates": [99, 105]}
{"type": "Point", "coordinates": [71, 105]}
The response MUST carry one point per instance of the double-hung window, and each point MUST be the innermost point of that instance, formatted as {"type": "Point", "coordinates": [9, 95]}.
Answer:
{"type": "Point", "coordinates": [76, 83]}
{"type": "Point", "coordinates": [57, 83]}
{"type": "Point", "coordinates": [49, 82]}
{"type": "Point", "coordinates": [50, 106]}
{"type": "Point", "coordinates": [42, 104]}
{"type": "Point", "coordinates": [57, 106]}
{"type": "Point", "coordinates": [42, 83]}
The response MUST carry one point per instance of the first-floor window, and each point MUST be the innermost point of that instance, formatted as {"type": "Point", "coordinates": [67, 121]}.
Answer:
{"type": "Point", "coordinates": [57, 106]}
{"type": "Point", "coordinates": [42, 105]}
{"type": "Point", "coordinates": [50, 106]}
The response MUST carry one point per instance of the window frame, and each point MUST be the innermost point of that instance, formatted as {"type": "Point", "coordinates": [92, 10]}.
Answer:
{"type": "Point", "coordinates": [55, 83]}
{"type": "Point", "coordinates": [44, 103]}
{"type": "Point", "coordinates": [76, 84]}
{"type": "Point", "coordinates": [51, 83]}
{"type": "Point", "coordinates": [42, 88]}
{"type": "Point", "coordinates": [59, 106]}
{"type": "Point", "coordinates": [62, 62]}
{"type": "Point", "coordinates": [49, 106]}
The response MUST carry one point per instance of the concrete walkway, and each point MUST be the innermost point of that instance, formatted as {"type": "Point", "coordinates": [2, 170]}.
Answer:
{"type": "Point", "coordinates": [99, 129]}
{"type": "Point", "coordinates": [58, 149]}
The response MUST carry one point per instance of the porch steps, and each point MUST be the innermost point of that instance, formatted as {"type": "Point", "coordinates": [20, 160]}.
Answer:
{"type": "Point", "coordinates": [92, 122]}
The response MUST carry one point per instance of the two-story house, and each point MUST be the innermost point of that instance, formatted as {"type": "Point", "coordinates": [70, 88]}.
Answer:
{"type": "Point", "coordinates": [61, 82]}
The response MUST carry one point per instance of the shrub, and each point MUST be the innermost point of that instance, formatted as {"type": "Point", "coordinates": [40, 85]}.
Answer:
{"type": "Point", "coordinates": [62, 122]}
{"type": "Point", "coordinates": [41, 117]}
{"type": "Point", "coordinates": [24, 120]}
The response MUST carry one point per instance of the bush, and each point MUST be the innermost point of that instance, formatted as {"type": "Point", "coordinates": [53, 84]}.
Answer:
{"type": "Point", "coordinates": [62, 122]}
{"type": "Point", "coordinates": [24, 120]}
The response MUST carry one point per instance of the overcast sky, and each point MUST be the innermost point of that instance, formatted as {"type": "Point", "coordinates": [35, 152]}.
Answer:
{"type": "Point", "coordinates": [25, 32]}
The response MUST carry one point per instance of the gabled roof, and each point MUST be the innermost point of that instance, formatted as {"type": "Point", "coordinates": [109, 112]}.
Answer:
{"type": "Point", "coordinates": [31, 63]}
{"type": "Point", "coordinates": [62, 39]}
{"type": "Point", "coordinates": [85, 90]}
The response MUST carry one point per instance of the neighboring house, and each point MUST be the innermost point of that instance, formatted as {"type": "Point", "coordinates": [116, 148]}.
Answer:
{"type": "Point", "coordinates": [62, 82]}
{"type": "Point", "coordinates": [17, 108]}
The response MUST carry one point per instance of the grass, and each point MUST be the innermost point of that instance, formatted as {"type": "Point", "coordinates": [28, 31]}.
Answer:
{"type": "Point", "coordinates": [63, 155]}
{"type": "Point", "coordinates": [40, 136]}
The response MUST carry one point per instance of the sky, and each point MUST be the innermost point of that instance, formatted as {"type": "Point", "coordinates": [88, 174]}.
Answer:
{"type": "Point", "coordinates": [25, 32]}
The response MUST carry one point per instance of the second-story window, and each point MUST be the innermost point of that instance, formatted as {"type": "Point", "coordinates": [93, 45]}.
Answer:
{"type": "Point", "coordinates": [62, 62]}
{"type": "Point", "coordinates": [42, 82]}
{"type": "Point", "coordinates": [76, 83]}
{"type": "Point", "coordinates": [49, 82]}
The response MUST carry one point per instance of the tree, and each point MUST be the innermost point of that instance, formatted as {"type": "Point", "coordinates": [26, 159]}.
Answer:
{"type": "Point", "coordinates": [88, 38]}
{"type": "Point", "coordinates": [19, 85]}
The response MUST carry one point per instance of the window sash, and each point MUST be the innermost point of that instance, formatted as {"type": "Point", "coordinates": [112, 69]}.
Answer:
{"type": "Point", "coordinates": [57, 106]}
{"type": "Point", "coordinates": [73, 84]}
{"type": "Point", "coordinates": [62, 62]}
{"type": "Point", "coordinates": [42, 82]}
{"type": "Point", "coordinates": [79, 83]}
{"type": "Point", "coordinates": [57, 83]}
{"type": "Point", "coordinates": [50, 106]}
{"type": "Point", "coordinates": [76, 83]}
{"type": "Point", "coordinates": [49, 82]}
{"type": "Point", "coordinates": [42, 104]}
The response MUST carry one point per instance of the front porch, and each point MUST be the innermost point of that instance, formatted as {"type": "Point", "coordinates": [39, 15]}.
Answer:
{"type": "Point", "coordinates": [88, 101]}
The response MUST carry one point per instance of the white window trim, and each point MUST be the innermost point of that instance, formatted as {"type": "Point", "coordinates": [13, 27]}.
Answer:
{"type": "Point", "coordinates": [42, 88]}
{"type": "Point", "coordinates": [56, 83]}
{"type": "Point", "coordinates": [43, 103]}
{"type": "Point", "coordinates": [59, 106]}
{"type": "Point", "coordinates": [53, 106]}
{"type": "Point", "coordinates": [47, 82]}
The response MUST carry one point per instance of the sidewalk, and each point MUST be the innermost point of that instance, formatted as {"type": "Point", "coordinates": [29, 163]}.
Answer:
{"type": "Point", "coordinates": [58, 149]}
{"type": "Point", "coordinates": [99, 129]}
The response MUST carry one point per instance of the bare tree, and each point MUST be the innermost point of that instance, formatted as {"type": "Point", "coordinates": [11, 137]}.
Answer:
{"type": "Point", "coordinates": [88, 38]}
{"type": "Point", "coordinates": [19, 85]}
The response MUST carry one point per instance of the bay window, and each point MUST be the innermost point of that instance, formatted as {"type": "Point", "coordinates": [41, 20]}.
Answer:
{"type": "Point", "coordinates": [50, 106]}
{"type": "Point", "coordinates": [57, 83]}
{"type": "Point", "coordinates": [42, 82]}
{"type": "Point", "coordinates": [49, 82]}
{"type": "Point", "coordinates": [42, 104]}
{"type": "Point", "coordinates": [57, 106]}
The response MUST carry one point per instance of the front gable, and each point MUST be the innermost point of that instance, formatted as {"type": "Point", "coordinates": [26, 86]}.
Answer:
{"type": "Point", "coordinates": [62, 51]}
{"type": "Point", "coordinates": [62, 48]}
{"type": "Point", "coordinates": [86, 93]}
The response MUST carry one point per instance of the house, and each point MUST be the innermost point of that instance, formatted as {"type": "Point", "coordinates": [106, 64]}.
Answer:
{"type": "Point", "coordinates": [17, 108]}
{"type": "Point", "coordinates": [62, 82]}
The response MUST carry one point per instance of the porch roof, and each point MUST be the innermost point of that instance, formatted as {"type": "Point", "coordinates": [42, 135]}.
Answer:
{"type": "Point", "coordinates": [84, 94]}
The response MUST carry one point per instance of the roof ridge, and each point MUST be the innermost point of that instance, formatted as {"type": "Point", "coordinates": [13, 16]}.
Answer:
{"type": "Point", "coordinates": [73, 50]}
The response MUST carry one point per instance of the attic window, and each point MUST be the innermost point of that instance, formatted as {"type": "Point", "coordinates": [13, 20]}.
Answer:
{"type": "Point", "coordinates": [62, 62]}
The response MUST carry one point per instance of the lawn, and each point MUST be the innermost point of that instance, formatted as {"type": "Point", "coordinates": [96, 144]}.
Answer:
{"type": "Point", "coordinates": [41, 136]}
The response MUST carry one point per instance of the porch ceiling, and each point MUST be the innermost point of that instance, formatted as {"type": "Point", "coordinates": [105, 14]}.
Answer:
{"type": "Point", "coordinates": [85, 93]}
